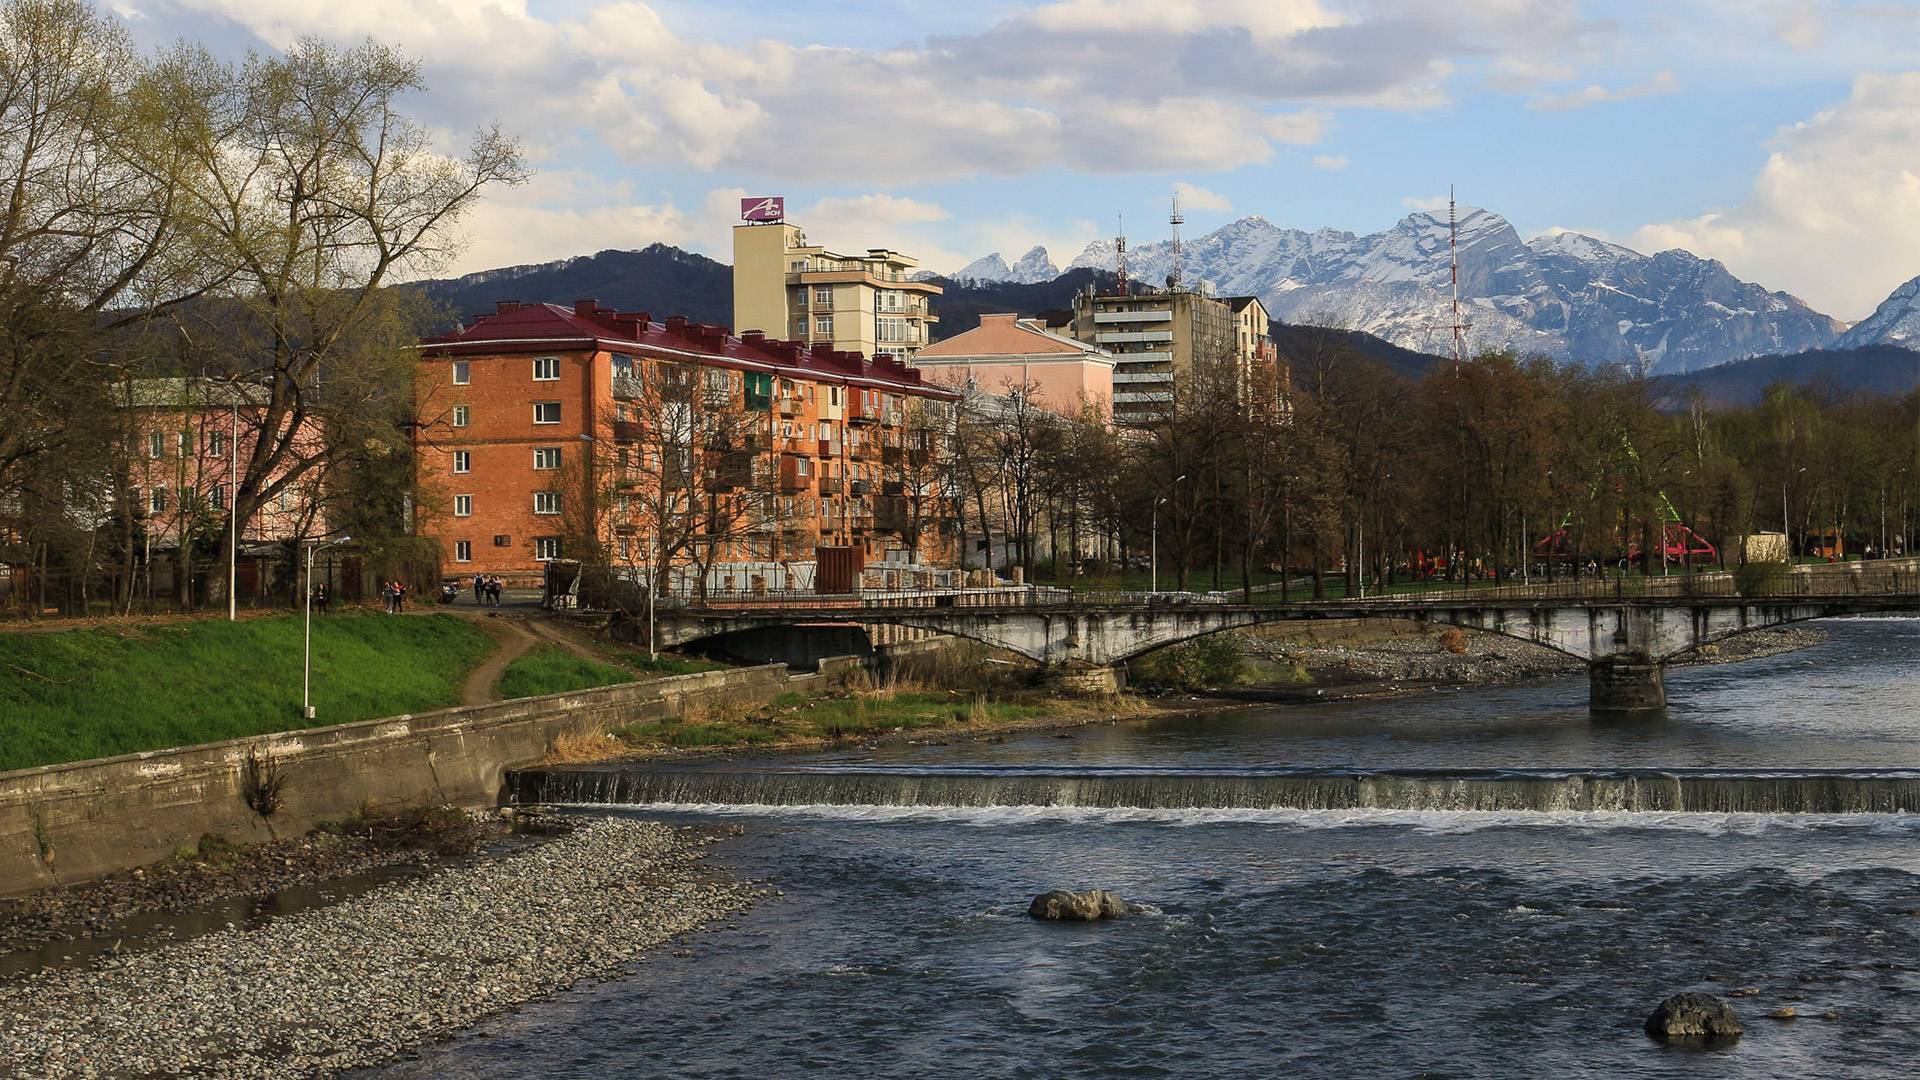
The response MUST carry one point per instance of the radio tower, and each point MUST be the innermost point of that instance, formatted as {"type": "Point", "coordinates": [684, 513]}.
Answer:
{"type": "Point", "coordinates": [1175, 219]}
{"type": "Point", "coordinates": [1453, 259]}
{"type": "Point", "coordinates": [1120, 252]}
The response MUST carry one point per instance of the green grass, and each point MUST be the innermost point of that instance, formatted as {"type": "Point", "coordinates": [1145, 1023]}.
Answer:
{"type": "Point", "coordinates": [550, 669]}
{"type": "Point", "coordinates": [98, 692]}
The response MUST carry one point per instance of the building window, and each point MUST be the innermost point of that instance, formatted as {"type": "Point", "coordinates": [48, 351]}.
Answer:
{"type": "Point", "coordinates": [460, 416]}
{"type": "Point", "coordinates": [463, 551]}
{"type": "Point", "coordinates": [219, 496]}
{"type": "Point", "coordinates": [217, 444]}
{"type": "Point", "coordinates": [546, 368]}
{"type": "Point", "coordinates": [463, 506]}
{"type": "Point", "coordinates": [156, 445]}
{"type": "Point", "coordinates": [180, 443]}
{"type": "Point", "coordinates": [546, 457]}
{"type": "Point", "coordinates": [546, 502]}
{"type": "Point", "coordinates": [546, 412]}
{"type": "Point", "coordinates": [823, 325]}
{"type": "Point", "coordinates": [157, 501]}
{"type": "Point", "coordinates": [823, 295]}
{"type": "Point", "coordinates": [833, 395]}
{"type": "Point", "coordinates": [502, 540]}
{"type": "Point", "coordinates": [462, 461]}
{"type": "Point", "coordinates": [285, 499]}
{"type": "Point", "coordinates": [462, 375]}
{"type": "Point", "coordinates": [546, 548]}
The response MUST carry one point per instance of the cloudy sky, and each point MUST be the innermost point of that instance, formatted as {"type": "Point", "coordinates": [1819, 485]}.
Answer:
{"type": "Point", "coordinates": [1780, 136]}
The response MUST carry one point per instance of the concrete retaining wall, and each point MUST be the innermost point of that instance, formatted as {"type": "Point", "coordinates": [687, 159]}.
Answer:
{"type": "Point", "coordinates": [79, 820]}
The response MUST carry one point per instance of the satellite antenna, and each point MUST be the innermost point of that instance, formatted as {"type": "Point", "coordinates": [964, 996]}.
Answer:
{"type": "Point", "coordinates": [1175, 219]}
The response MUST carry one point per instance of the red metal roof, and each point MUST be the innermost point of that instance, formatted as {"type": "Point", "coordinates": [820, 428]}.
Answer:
{"type": "Point", "coordinates": [518, 328]}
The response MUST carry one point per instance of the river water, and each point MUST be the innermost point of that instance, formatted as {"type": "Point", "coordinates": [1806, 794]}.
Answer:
{"type": "Point", "coordinates": [1296, 942]}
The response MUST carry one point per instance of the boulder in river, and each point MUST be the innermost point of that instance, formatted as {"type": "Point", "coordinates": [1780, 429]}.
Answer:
{"type": "Point", "coordinates": [1089, 906]}
{"type": "Point", "coordinates": [1697, 1017]}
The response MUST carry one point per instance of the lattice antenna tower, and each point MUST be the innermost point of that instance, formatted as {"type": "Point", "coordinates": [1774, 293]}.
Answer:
{"type": "Point", "coordinates": [1175, 219]}
{"type": "Point", "coordinates": [1120, 251]}
{"type": "Point", "coordinates": [1453, 260]}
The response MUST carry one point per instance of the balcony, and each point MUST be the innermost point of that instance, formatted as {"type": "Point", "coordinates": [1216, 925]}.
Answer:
{"type": "Point", "coordinates": [829, 448]}
{"type": "Point", "coordinates": [791, 478]}
{"type": "Point", "coordinates": [1142, 377]}
{"type": "Point", "coordinates": [626, 388]}
{"type": "Point", "coordinates": [1134, 359]}
{"type": "Point", "coordinates": [1118, 337]}
{"type": "Point", "coordinates": [858, 488]}
{"type": "Point", "coordinates": [1133, 316]}
{"type": "Point", "coordinates": [830, 485]}
{"type": "Point", "coordinates": [891, 514]}
{"type": "Point", "coordinates": [891, 455]}
{"type": "Point", "coordinates": [787, 406]}
{"type": "Point", "coordinates": [626, 431]}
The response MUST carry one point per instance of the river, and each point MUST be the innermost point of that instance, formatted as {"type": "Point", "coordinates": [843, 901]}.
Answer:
{"type": "Point", "coordinates": [1290, 941]}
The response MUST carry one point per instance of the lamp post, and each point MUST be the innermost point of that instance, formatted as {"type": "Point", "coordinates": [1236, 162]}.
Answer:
{"type": "Point", "coordinates": [233, 518]}
{"type": "Point", "coordinates": [1786, 527]}
{"type": "Point", "coordinates": [306, 665]}
{"type": "Point", "coordinates": [1154, 558]}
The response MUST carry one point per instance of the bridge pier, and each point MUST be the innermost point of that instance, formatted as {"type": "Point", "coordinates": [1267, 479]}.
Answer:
{"type": "Point", "coordinates": [1629, 683]}
{"type": "Point", "coordinates": [1087, 680]}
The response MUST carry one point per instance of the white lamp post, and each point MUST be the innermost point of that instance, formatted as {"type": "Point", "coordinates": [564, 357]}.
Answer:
{"type": "Point", "coordinates": [1154, 558]}
{"type": "Point", "coordinates": [306, 666]}
{"type": "Point", "coordinates": [233, 517]}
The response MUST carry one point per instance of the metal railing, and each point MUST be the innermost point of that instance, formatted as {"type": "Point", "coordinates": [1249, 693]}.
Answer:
{"type": "Point", "coordinates": [1898, 582]}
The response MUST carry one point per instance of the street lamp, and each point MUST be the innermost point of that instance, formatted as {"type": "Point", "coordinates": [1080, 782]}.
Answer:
{"type": "Point", "coordinates": [1786, 527]}
{"type": "Point", "coordinates": [306, 665]}
{"type": "Point", "coordinates": [1154, 585]}
{"type": "Point", "coordinates": [233, 516]}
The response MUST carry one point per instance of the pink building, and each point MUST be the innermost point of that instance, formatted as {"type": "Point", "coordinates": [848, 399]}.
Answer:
{"type": "Point", "coordinates": [1006, 352]}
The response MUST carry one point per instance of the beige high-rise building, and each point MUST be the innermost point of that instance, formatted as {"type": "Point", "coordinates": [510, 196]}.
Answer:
{"type": "Point", "coordinates": [1157, 339]}
{"type": "Point", "coordinates": [788, 288]}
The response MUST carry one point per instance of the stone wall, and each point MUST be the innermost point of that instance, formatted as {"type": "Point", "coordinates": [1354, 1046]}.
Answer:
{"type": "Point", "coordinates": [79, 820]}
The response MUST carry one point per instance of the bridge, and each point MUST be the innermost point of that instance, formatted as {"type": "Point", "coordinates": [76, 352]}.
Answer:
{"type": "Point", "coordinates": [1626, 630]}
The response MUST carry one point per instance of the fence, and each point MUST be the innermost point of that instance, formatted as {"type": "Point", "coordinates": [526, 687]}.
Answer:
{"type": "Point", "coordinates": [1892, 579]}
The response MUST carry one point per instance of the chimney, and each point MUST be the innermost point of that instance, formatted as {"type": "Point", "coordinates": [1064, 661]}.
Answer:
{"type": "Point", "coordinates": [587, 308]}
{"type": "Point", "coordinates": [753, 337]}
{"type": "Point", "coordinates": [505, 307]}
{"type": "Point", "coordinates": [677, 324]}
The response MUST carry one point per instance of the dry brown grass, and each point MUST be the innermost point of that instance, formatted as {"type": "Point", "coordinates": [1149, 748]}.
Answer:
{"type": "Point", "coordinates": [1454, 640]}
{"type": "Point", "coordinates": [575, 748]}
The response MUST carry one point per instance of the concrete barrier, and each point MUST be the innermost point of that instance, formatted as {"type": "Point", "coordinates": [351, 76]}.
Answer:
{"type": "Point", "coordinates": [79, 820]}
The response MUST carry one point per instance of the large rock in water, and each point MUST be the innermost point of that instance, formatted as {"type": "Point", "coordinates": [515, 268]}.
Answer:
{"type": "Point", "coordinates": [1089, 906]}
{"type": "Point", "coordinates": [1694, 1016]}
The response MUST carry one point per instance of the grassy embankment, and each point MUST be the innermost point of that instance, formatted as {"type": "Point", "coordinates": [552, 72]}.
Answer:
{"type": "Point", "coordinates": [110, 690]}
{"type": "Point", "coordinates": [959, 691]}
{"type": "Point", "coordinates": [550, 669]}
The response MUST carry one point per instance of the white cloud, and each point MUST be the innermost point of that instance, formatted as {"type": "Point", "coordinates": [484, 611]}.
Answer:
{"type": "Point", "coordinates": [1194, 197]}
{"type": "Point", "coordinates": [1428, 203]}
{"type": "Point", "coordinates": [1834, 214]}
{"type": "Point", "coordinates": [1595, 94]}
{"type": "Point", "coordinates": [1332, 162]}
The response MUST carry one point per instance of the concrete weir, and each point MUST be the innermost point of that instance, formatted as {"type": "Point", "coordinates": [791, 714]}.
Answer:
{"type": "Point", "coordinates": [1503, 790]}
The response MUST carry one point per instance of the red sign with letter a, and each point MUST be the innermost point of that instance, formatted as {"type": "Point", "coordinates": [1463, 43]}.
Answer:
{"type": "Point", "coordinates": [763, 208]}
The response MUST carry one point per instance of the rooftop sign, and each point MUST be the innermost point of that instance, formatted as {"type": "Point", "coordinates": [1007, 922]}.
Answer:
{"type": "Point", "coordinates": [763, 208]}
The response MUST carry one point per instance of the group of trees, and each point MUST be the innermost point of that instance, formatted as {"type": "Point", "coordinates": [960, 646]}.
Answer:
{"type": "Point", "coordinates": [173, 214]}
{"type": "Point", "coordinates": [1501, 465]}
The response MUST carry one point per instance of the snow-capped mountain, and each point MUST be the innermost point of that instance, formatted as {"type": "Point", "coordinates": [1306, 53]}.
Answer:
{"type": "Point", "coordinates": [1034, 267]}
{"type": "Point", "coordinates": [1895, 322]}
{"type": "Point", "coordinates": [1567, 295]}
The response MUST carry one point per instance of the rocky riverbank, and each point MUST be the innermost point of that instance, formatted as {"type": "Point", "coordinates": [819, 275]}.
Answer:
{"type": "Point", "coordinates": [1413, 659]}
{"type": "Point", "coordinates": [360, 982]}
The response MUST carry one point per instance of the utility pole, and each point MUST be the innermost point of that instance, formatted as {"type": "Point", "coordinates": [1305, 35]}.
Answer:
{"type": "Point", "coordinates": [233, 516]}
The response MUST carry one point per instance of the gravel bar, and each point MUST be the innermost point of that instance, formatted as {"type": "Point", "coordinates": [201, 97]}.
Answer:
{"type": "Point", "coordinates": [360, 983]}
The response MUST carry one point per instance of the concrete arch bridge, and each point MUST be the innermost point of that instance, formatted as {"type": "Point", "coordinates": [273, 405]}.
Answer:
{"type": "Point", "coordinates": [1086, 639]}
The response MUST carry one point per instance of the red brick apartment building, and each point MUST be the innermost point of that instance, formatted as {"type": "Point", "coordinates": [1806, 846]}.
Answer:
{"type": "Point", "coordinates": [537, 418]}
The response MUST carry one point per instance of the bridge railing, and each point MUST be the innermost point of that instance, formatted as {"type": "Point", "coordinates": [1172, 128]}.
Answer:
{"type": "Point", "coordinates": [1889, 579]}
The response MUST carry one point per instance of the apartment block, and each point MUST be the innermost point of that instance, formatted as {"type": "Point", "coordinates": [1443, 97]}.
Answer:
{"type": "Point", "coordinates": [1006, 353]}
{"type": "Point", "coordinates": [1159, 339]}
{"type": "Point", "coordinates": [545, 427]}
{"type": "Point", "coordinates": [785, 287]}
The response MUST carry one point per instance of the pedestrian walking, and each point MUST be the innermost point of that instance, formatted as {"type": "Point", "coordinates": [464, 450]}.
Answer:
{"type": "Point", "coordinates": [493, 590]}
{"type": "Point", "coordinates": [320, 598]}
{"type": "Point", "coordinates": [386, 595]}
{"type": "Point", "coordinates": [479, 589]}
{"type": "Point", "coordinates": [399, 597]}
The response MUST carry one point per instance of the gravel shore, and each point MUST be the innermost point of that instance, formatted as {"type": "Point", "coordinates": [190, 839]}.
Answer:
{"type": "Point", "coordinates": [359, 983]}
{"type": "Point", "coordinates": [1419, 658]}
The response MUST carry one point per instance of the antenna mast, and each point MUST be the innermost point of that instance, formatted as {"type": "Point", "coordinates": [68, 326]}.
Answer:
{"type": "Point", "coordinates": [1120, 251]}
{"type": "Point", "coordinates": [1175, 219]}
{"type": "Point", "coordinates": [1453, 260]}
